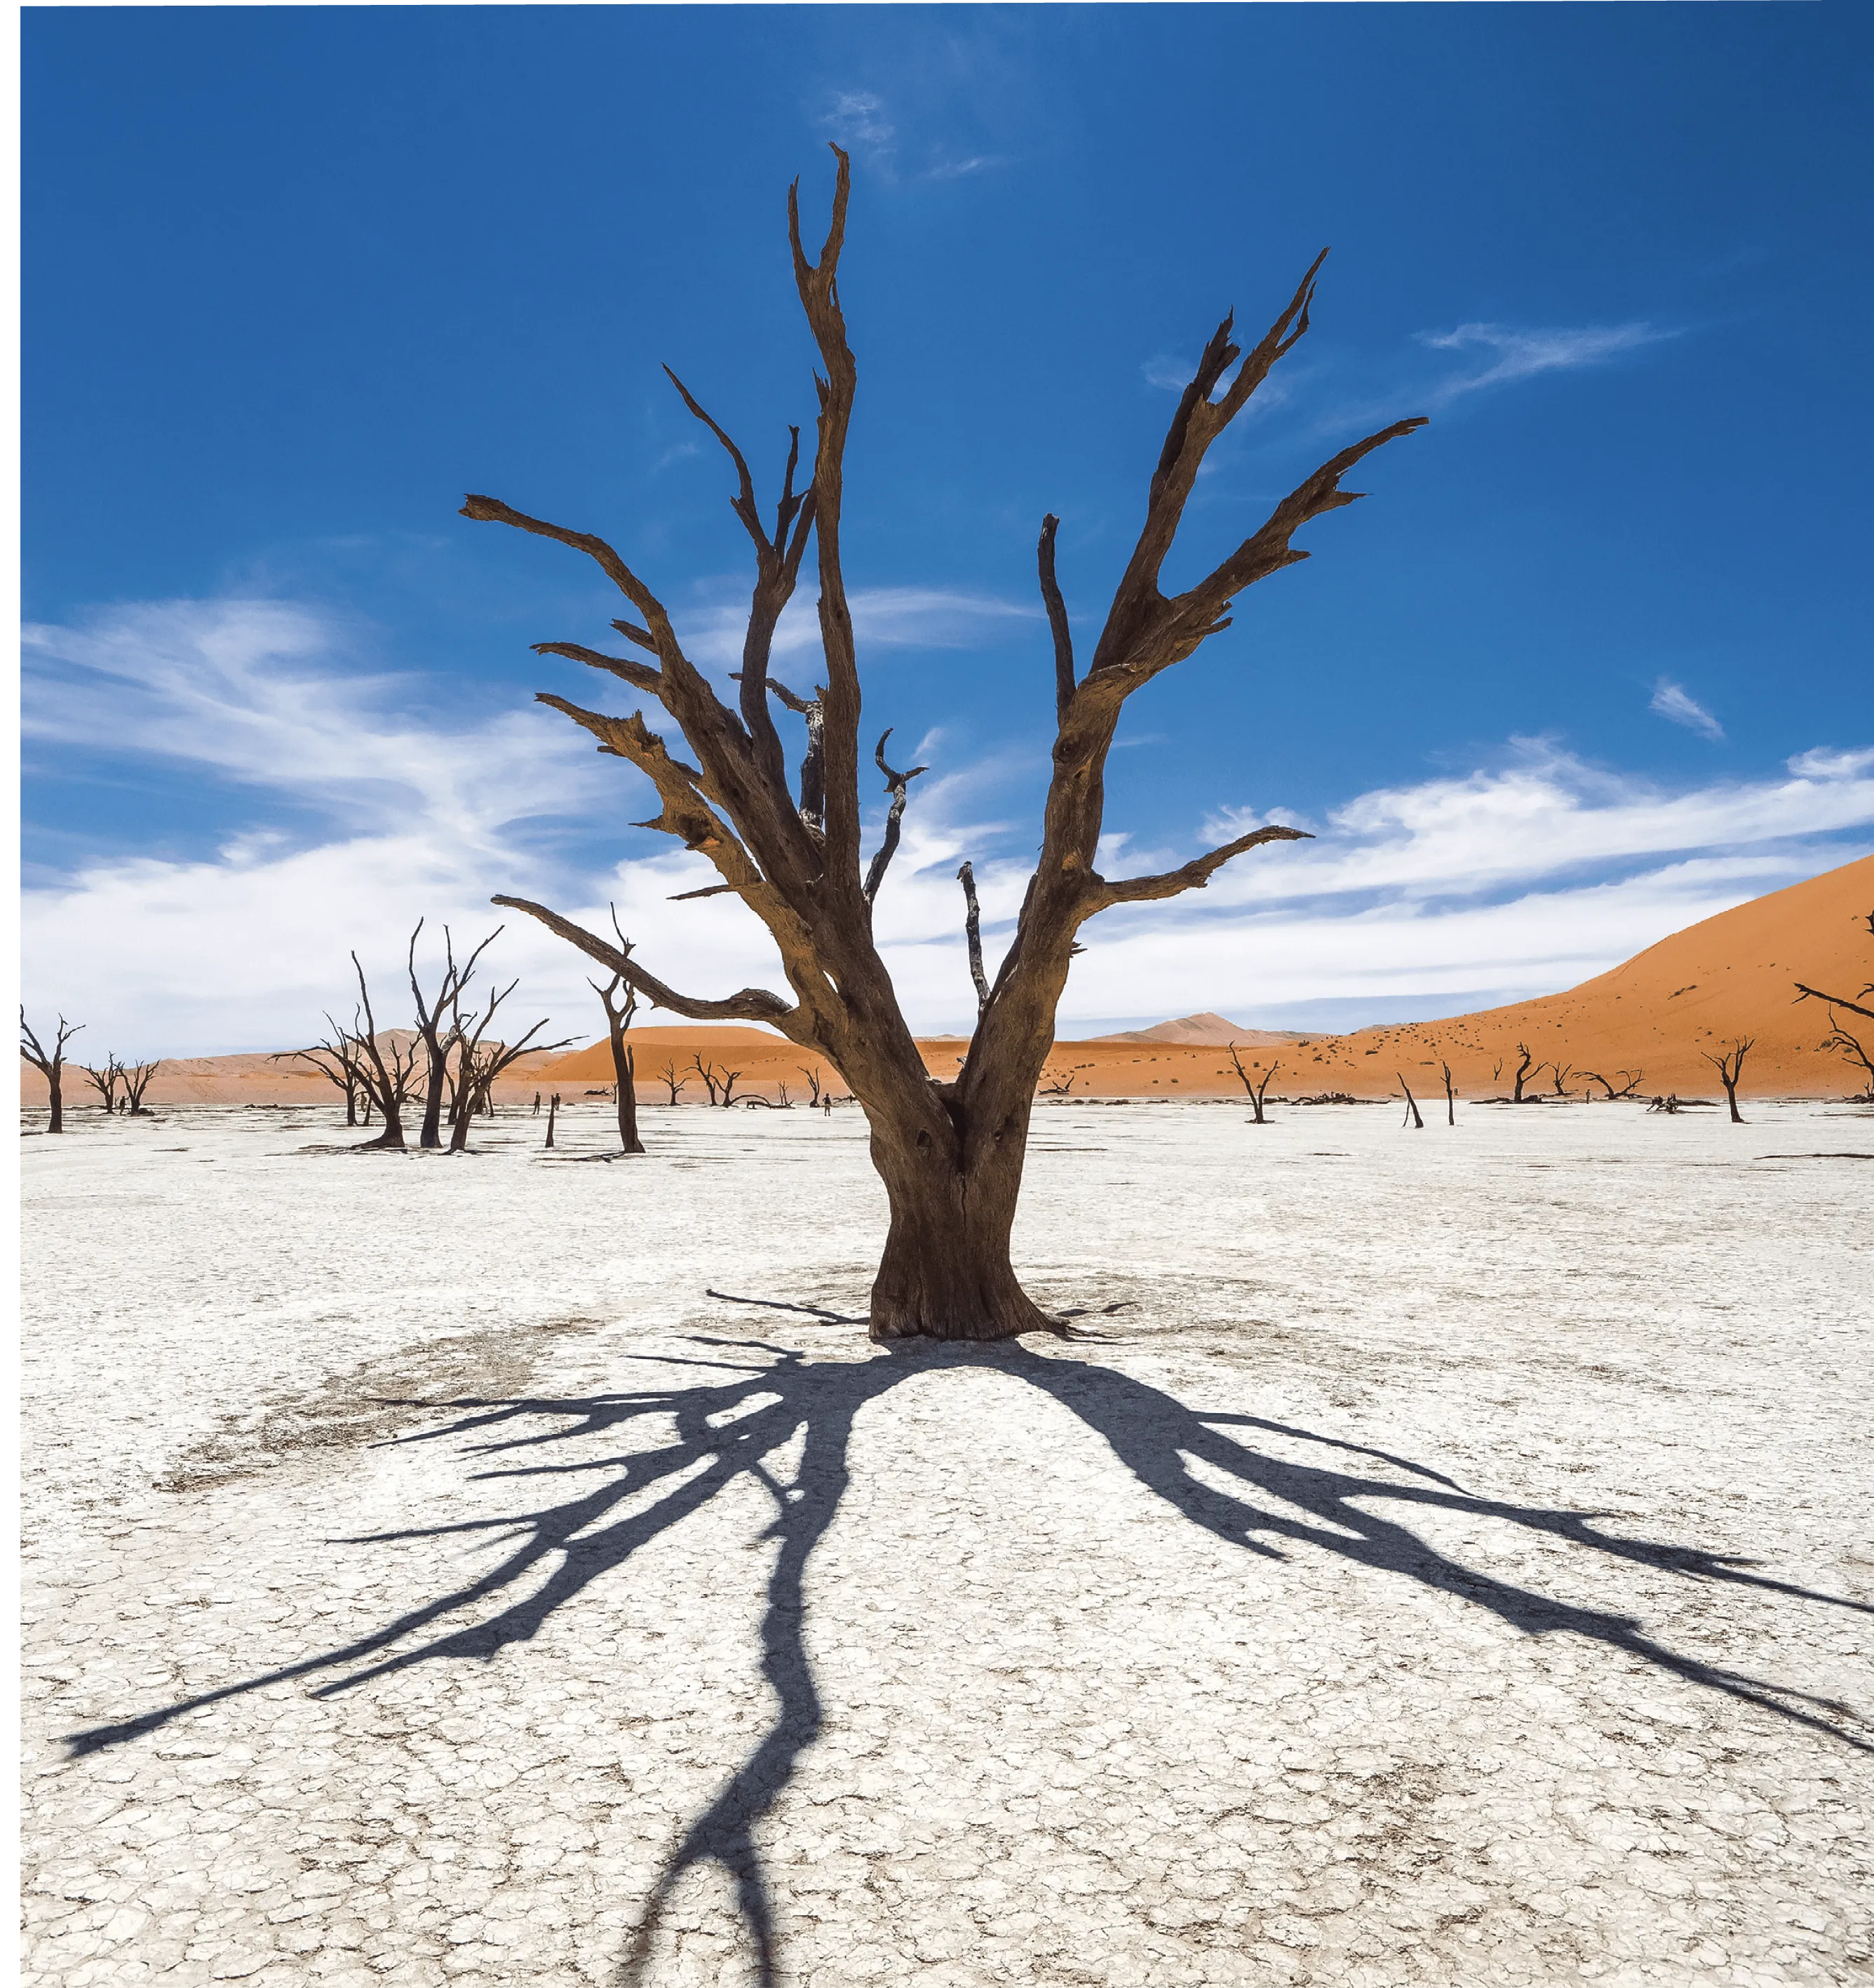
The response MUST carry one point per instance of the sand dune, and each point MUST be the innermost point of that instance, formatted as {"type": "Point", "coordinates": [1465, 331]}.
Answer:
{"type": "Point", "coordinates": [1659, 1014]}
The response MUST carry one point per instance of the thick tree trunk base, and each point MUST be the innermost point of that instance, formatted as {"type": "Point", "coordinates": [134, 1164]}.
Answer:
{"type": "Point", "coordinates": [944, 1277]}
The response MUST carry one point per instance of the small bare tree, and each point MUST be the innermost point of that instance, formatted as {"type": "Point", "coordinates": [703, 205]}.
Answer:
{"type": "Point", "coordinates": [618, 1015]}
{"type": "Point", "coordinates": [390, 1080]}
{"type": "Point", "coordinates": [708, 1073]}
{"type": "Point", "coordinates": [1729, 1064]}
{"type": "Point", "coordinates": [1524, 1070]}
{"type": "Point", "coordinates": [1561, 1072]}
{"type": "Point", "coordinates": [1450, 1096]}
{"type": "Point", "coordinates": [552, 1112]}
{"type": "Point", "coordinates": [335, 1059]}
{"type": "Point", "coordinates": [671, 1080]}
{"type": "Point", "coordinates": [437, 1041]}
{"type": "Point", "coordinates": [106, 1081]}
{"type": "Point", "coordinates": [49, 1064]}
{"type": "Point", "coordinates": [480, 1061]}
{"type": "Point", "coordinates": [1411, 1104]}
{"type": "Point", "coordinates": [1629, 1085]}
{"type": "Point", "coordinates": [137, 1077]}
{"type": "Point", "coordinates": [1257, 1087]}
{"type": "Point", "coordinates": [950, 1153]}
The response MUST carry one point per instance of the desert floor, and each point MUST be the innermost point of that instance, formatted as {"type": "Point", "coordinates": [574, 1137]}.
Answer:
{"type": "Point", "coordinates": [1447, 1559]}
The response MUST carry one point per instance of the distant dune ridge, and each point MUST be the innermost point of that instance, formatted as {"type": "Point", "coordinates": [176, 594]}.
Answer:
{"type": "Point", "coordinates": [1659, 1014]}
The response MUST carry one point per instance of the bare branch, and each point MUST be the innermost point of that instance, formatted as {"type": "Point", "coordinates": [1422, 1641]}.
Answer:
{"type": "Point", "coordinates": [972, 933]}
{"type": "Point", "coordinates": [1834, 1000]}
{"type": "Point", "coordinates": [818, 286]}
{"type": "Point", "coordinates": [1056, 617]}
{"type": "Point", "coordinates": [1192, 876]}
{"type": "Point", "coordinates": [753, 1004]}
{"type": "Point", "coordinates": [896, 786]}
{"type": "Point", "coordinates": [640, 676]}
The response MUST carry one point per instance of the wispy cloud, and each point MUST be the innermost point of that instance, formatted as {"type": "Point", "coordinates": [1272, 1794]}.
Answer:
{"type": "Point", "coordinates": [857, 118]}
{"type": "Point", "coordinates": [1672, 702]}
{"type": "Point", "coordinates": [960, 169]}
{"type": "Point", "coordinates": [883, 618]}
{"type": "Point", "coordinates": [1508, 354]}
{"type": "Point", "coordinates": [1528, 877]}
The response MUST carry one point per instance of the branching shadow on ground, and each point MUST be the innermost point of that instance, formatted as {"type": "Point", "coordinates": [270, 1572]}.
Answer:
{"type": "Point", "coordinates": [737, 1416]}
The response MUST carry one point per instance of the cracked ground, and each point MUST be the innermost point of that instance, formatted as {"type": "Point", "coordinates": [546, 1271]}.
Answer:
{"type": "Point", "coordinates": [1442, 1556]}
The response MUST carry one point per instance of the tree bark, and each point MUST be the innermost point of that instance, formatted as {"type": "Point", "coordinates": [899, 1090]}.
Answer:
{"type": "Point", "coordinates": [946, 1271]}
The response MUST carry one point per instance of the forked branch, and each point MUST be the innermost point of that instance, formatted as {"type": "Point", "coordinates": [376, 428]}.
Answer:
{"type": "Point", "coordinates": [895, 785]}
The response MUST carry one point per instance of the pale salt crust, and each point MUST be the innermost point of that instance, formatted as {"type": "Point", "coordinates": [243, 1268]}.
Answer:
{"type": "Point", "coordinates": [1260, 1639]}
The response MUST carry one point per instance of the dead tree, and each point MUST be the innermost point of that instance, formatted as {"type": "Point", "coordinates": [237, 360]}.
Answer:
{"type": "Point", "coordinates": [1257, 1090]}
{"type": "Point", "coordinates": [390, 1081]}
{"type": "Point", "coordinates": [49, 1064]}
{"type": "Point", "coordinates": [105, 1081]}
{"type": "Point", "coordinates": [668, 1076]}
{"type": "Point", "coordinates": [813, 1086]}
{"type": "Point", "coordinates": [950, 1153]}
{"type": "Point", "coordinates": [1450, 1096]}
{"type": "Point", "coordinates": [137, 1077]}
{"type": "Point", "coordinates": [552, 1112]}
{"type": "Point", "coordinates": [336, 1060]}
{"type": "Point", "coordinates": [1629, 1083]}
{"type": "Point", "coordinates": [1855, 1049]}
{"type": "Point", "coordinates": [1524, 1070]}
{"type": "Point", "coordinates": [437, 1044]}
{"type": "Point", "coordinates": [1729, 1064]}
{"type": "Point", "coordinates": [480, 1061]}
{"type": "Point", "coordinates": [1412, 1103]}
{"type": "Point", "coordinates": [708, 1073]}
{"type": "Point", "coordinates": [1061, 1088]}
{"type": "Point", "coordinates": [1562, 1071]}
{"type": "Point", "coordinates": [618, 1016]}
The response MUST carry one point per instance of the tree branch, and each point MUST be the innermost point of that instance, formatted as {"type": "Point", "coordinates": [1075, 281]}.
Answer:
{"type": "Point", "coordinates": [973, 935]}
{"type": "Point", "coordinates": [753, 1004]}
{"type": "Point", "coordinates": [818, 285]}
{"type": "Point", "coordinates": [1192, 876]}
{"type": "Point", "coordinates": [1834, 1000]}
{"type": "Point", "coordinates": [895, 785]}
{"type": "Point", "coordinates": [1056, 617]}
{"type": "Point", "coordinates": [640, 676]}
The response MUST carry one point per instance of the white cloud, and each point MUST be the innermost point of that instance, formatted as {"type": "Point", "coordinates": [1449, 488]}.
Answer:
{"type": "Point", "coordinates": [1521, 879]}
{"type": "Point", "coordinates": [857, 117]}
{"type": "Point", "coordinates": [1513, 354]}
{"type": "Point", "coordinates": [1172, 375]}
{"type": "Point", "coordinates": [1672, 702]}
{"type": "Point", "coordinates": [883, 618]}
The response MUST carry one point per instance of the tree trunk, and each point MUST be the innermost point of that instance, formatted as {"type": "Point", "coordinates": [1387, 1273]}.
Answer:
{"type": "Point", "coordinates": [945, 1272]}
{"type": "Point", "coordinates": [57, 1091]}
{"type": "Point", "coordinates": [624, 1063]}
{"type": "Point", "coordinates": [1730, 1098]}
{"type": "Point", "coordinates": [431, 1136]}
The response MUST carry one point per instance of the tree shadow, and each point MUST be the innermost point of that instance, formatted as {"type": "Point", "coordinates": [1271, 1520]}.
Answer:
{"type": "Point", "coordinates": [743, 1409]}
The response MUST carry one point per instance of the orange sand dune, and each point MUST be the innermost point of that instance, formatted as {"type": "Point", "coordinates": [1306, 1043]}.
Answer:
{"type": "Point", "coordinates": [1659, 1014]}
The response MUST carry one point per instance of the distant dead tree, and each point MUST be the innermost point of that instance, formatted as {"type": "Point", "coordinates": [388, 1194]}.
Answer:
{"type": "Point", "coordinates": [137, 1077]}
{"type": "Point", "coordinates": [552, 1112]}
{"type": "Point", "coordinates": [1629, 1083]}
{"type": "Point", "coordinates": [335, 1059]}
{"type": "Point", "coordinates": [950, 1153]}
{"type": "Point", "coordinates": [1562, 1072]}
{"type": "Point", "coordinates": [813, 1086]}
{"type": "Point", "coordinates": [390, 1081]}
{"type": "Point", "coordinates": [105, 1081]}
{"type": "Point", "coordinates": [1412, 1103]}
{"type": "Point", "coordinates": [618, 1014]}
{"type": "Point", "coordinates": [1061, 1088]}
{"type": "Point", "coordinates": [1450, 1096]}
{"type": "Point", "coordinates": [1258, 1088]}
{"type": "Point", "coordinates": [1524, 1070]}
{"type": "Point", "coordinates": [437, 1043]}
{"type": "Point", "coordinates": [49, 1064]}
{"type": "Point", "coordinates": [668, 1077]}
{"type": "Point", "coordinates": [1729, 1064]}
{"type": "Point", "coordinates": [720, 1083]}
{"type": "Point", "coordinates": [480, 1059]}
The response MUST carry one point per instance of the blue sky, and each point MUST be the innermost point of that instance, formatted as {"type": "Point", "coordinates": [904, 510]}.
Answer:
{"type": "Point", "coordinates": [1591, 662]}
